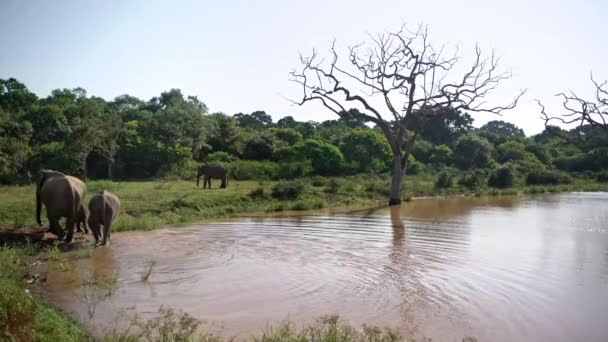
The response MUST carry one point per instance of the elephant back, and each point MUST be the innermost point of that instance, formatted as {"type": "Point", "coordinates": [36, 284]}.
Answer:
{"type": "Point", "coordinates": [215, 170]}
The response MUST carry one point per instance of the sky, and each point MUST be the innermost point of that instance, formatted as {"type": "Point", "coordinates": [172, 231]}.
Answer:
{"type": "Point", "coordinates": [236, 55]}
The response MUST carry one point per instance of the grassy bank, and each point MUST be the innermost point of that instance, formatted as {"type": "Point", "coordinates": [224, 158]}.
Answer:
{"type": "Point", "coordinates": [151, 204]}
{"type": "Point", "coordinates": [24, 315]}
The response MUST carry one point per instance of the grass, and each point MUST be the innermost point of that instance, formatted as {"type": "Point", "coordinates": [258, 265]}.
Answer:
{"type": "Point", "coordinates": [25, 316]}
{"type": "Point", "coordinates": [152, 204]}
{"type": "Point", "coordinates": [170, 325]}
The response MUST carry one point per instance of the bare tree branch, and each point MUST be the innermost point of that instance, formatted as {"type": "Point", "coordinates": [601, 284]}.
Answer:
{"type": "Point", "coordinates": [396, 76]}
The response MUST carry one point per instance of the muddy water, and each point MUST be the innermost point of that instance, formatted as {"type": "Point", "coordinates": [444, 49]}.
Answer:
{"type": "Point", "coordinates": [500, 269]}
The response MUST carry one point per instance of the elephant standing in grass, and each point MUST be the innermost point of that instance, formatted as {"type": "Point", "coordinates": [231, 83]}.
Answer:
{"type": "Point", "coordinates": [62, 196]}
{"type": "Point", "coordinates": [218, 171]}
{"type": "Point", "coordinates": [103, 210]}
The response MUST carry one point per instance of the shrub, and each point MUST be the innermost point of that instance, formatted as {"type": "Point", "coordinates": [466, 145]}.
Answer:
{"type": "Point", "coordinates": [513, 151]}
{"type": "Point", "coordinates": [602, 176]}
{"type": "Point", "coordinates": [473, 179]}
{"type": "Point", "coordinates": [318, 181]}
{"type": "Point", "coordinates": [594, 160]}
{"type": "Point", "coordinates": [326, 158]}
{"type": "Point", "coordinates": [257, 193]}
{"type": "Point", "coordinates": [251, 169]}
{"type": "Point", "coordinates": [333, 186]}
{"type": "Point", "coordinates": [502, 177]}
{"type": "Point", "coordinates": [295, 169]}
{"type": "Point", "coordinates": [220, 156]}
{"type": "Point", "coordinates": [414, 167]}
{"type": "Point", "coordinates": [286, 190]}
{"type": "Point", "coordinates": [546, 177]}
{"type": "Point", "coordinates": [445, 179]}
{"type": "Point", "coordinates": [259, 147]}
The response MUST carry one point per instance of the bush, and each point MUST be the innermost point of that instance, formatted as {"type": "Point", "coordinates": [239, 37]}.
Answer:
{"type": "Point", "coordinates": [318, 181]}
{"type": "Point", "coordinates": [333, 186]}
{"type": "Point", "coordinates": [414, 167]}
{"type": "Point", "coordinates": [288, 136]}
{"type": "Point", "coordinates": [502, 177]}
{"type": "Point", "coordinates": [286, 190]}
{"type": "Point", "coordinates": [295, 169]}
{"type": "Point", "coordinates": [602, 176]}
{"type": "Point", "coordinates": [251, 169]}
{"type": "Point", "coordinates": [473, 179]}
{"type": "Point", "coordinates": [594, 160]}
{"type": "Point", "coordinates": [423, 151]}
{"type": "Point", "coordinates": [445, 179]}
{"type": "Point", "coordinates": [546, 177]}
{"type": "Point", "coordinates": [513, 151]}
{"type": "Point", "coordinates": [326, 159]}
{"type": "Point", "coordinates": [220, 157]}
{"type": "Point", "coordinates": [257, 193]}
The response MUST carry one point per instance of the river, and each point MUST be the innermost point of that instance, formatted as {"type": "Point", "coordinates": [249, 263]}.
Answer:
{"type": "Point", "coordinates": [501, 269]}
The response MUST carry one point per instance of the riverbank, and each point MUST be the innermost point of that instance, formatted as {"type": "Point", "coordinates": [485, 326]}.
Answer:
{"type": "Point", "coordinates": [153, 204]}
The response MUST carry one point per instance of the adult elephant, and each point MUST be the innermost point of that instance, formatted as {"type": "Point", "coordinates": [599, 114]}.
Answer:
{"type": "Point", "coordinates": [62, 196]}
{"type": "Point", "coordinates": [208, 171]}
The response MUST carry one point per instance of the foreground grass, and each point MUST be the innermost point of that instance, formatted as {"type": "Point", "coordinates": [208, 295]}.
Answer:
{"type": "Point", "coordinates": [25, 316]}
{"type": "Point", "coordinates": [151, 204]}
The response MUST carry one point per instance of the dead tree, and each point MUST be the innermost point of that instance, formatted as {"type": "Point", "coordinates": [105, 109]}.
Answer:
{"type": "Point", "coordinates": [396, 78]}
{"type": "Point", "coordinates": [579, 111]}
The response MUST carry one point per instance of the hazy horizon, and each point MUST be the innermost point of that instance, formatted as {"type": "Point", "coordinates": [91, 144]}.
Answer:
{"type": "Point", "coordinates": [236, 56]}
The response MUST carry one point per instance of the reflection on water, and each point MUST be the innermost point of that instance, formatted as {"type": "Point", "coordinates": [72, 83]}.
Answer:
{"type": "Point", "coordinates": [505, 268]}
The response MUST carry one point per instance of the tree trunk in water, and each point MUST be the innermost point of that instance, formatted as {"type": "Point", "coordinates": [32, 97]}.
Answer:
{"type": "Point", "coordinates": [398, 175]}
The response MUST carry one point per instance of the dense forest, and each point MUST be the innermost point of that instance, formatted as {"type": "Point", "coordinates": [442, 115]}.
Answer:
{"type": "Point", "coordinates": [169, 135]}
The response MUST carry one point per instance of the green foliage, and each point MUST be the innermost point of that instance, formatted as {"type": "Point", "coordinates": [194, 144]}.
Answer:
{"type": "Point", "coordinates": [286, 136]}
{"type": "Point", "coordinates": [442, 155]}
{"type": "Point", "coordinates": [502, 129]}
{"type": "Point", "coordinates": [220, 157]}
{"type": "Point", "coordinates": [423, 150]}
{"type": "Point", "coordinates": [259, 147]}
{"type": "Point", "coordinates": [474, 179]}
{"type": "Point", "coordinates": [602, 176]}
{"type": "Point", "coordinates": [295, 169]}
{"type": "Point", "coordinates": [594, 160]}
{"type": "Point", "coordinates": [326, 159]}
{"type": "Point", "coordinates": [257, 193]}
{"type": "Point", "coordinates": [502, 177]}
{"type": "Point", "coordinates": [445, 179]}
{"type": "Point", "coordinates": [546, 177]}
{"type": "Point", "coordinates": [366, 150]}
{"type": "Point", "coordinates": [514, 151]}
{"type": "Point", "coordinates": [414, 167]}
{"type": "Point", "coordinates": [473, 151]}
{"type": "Point", "coordinates": [250, 169]}
{"type": "Point", "coordinates": [287, 190]}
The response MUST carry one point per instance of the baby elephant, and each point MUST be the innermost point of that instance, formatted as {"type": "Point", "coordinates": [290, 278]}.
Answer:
{"type": "Point", "coordinates": [103, 209]}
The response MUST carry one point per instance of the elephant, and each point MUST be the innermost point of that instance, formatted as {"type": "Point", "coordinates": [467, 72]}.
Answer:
{"type": "Point", "coordinates": [218, 171]}
{"type": "Point", "coordinates": [103, 210]}
{"type": "Point", "coordinates": [62, 196]}
{"type": "Point", "coordinates": [81, 219]}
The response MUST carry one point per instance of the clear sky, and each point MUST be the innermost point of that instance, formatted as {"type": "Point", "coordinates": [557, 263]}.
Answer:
{"type": "Point", "coordinates": [236, 55]}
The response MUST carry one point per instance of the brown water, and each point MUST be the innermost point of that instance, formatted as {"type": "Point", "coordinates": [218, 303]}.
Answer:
{"type": "Point", "coordinates": [500, 269]}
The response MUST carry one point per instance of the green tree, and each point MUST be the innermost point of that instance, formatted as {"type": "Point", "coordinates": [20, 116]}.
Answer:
{"type": "Point", "coordinates": [503, 129]}
{"type": "Point", "coordinates": [442, 155]}
{"type": "Point", "coordinates": [473, 151]}
{"type": "Point", "coordinates": [326, 159]}
{"type": "Point", "coordinates": [366, 150]}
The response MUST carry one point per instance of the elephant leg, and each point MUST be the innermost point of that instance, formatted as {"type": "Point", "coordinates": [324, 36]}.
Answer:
{"type": "Point", "coordinates": [107, 227]}
{"type": "Point", "coordinates": [69, 226]}
{"type": "Point", "coordinates": [209, 181]}
{"type": "Point", "coordinates": [223, 185]}
{"type": "Point", "coordinates": [55, 227]}
{"type": "Point", "coordinates": [95, 231]}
